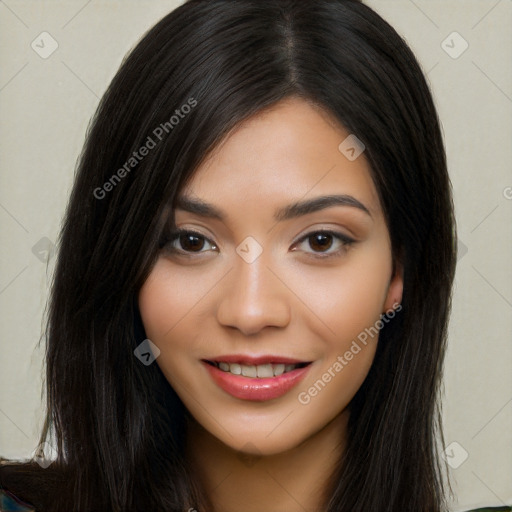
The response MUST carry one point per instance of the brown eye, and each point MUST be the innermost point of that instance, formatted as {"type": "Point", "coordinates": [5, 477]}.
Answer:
{"type": "Point", "coordinates": [320, 241]}
{"type": "Point", "coordinates": [191, 242]}
{"type": "Point", "coordinates": [187, 242]}
{"type": "Point", "coordinates": [324, 244]}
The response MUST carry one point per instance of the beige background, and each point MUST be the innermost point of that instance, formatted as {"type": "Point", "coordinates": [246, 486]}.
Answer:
{"type": "Point", "coordinates": [47, 103]}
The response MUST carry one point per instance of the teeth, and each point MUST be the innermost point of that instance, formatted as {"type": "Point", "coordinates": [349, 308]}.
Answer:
{"type": "Point", "coordinates": [234, 368]}
{"type": "Point", "coordinates": [278, 369]}
{"type": "Point", "coordinates": [260, 371]}
{"type": "Point", "coordinates": [264, 370]}
{"type": "Point", "coordinates": [249, 371]}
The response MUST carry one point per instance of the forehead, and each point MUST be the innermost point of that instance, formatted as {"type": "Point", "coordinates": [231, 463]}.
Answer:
{"type": "Point", "coordinates": [283, 154]}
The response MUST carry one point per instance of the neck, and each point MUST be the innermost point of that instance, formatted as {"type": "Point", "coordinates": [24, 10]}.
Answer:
{"type": "Point", "coordinates": [297, 480]}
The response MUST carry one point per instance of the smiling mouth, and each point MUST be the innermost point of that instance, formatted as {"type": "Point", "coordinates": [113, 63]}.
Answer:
{"type": "Point", "coordinates": [259, 371]}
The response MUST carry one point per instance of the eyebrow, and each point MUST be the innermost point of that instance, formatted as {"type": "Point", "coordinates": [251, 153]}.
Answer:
{"type": "Point", "coordinates": [291, 211]}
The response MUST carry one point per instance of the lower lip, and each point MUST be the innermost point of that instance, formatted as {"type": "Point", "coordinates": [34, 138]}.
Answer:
{"type": "Point", "coordinates": [255, 389]}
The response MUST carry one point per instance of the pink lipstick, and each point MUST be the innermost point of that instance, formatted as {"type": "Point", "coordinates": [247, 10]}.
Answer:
{"type": "Point", "coordinates": [256, 378]}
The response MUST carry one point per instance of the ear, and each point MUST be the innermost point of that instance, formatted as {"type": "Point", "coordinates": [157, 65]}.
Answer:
{"type": "Point", "coordinates": [395, 288]}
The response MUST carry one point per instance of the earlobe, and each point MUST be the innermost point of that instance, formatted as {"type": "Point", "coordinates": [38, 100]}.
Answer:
{"type": "Point", "coordinates": [395, 289]}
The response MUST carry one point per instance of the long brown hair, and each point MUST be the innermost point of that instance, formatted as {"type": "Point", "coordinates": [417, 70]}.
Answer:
{"type": "Point", "coordinates": [117, 425]}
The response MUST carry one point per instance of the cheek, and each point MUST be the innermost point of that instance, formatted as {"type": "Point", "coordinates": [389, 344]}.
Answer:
{"type": "Point", "coordinates": [168, 299]}
{"type": "Point", "coordinates": [349, 302]}
{"type": "Point", "coordinates": [346, 299]}
{"type": "Point", "coordinates": [170, 307]}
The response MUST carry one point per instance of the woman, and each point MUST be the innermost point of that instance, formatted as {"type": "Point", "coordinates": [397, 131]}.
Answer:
{"type": "Point", "coordinates": [254, 279]}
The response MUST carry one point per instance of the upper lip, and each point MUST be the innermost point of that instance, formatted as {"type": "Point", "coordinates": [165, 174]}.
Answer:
{"type": "Point", "coordinates": [255, 360]}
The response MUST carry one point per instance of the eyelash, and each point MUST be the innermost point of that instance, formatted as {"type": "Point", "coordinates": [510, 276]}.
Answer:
{"type": "Point", "coordinates": [346, 242]}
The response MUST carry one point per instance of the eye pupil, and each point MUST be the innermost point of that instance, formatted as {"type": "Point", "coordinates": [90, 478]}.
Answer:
{"type": "Point", "coordinates": [321, 241]}
{"type": "Point", "coordinates": [191, 242]}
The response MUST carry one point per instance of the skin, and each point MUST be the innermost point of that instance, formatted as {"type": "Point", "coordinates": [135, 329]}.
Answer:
{"type": "Point", "coordinates": [278, 454]}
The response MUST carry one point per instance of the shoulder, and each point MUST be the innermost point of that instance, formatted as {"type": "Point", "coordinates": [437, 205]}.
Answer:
{"type": "Point", "coordinates": [11, 503]}
{"type": "Point", "coordinates": [26, 486]}
{"type": "Point", "coordinates": [492, 509]}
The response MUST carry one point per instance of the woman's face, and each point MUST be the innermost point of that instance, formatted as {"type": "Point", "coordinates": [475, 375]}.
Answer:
{"type": "Point", "coordinates": [264, 323]}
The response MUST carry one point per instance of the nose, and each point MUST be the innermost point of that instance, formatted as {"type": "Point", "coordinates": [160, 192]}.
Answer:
{"type": "Point", "coordinates": [253, 297]}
